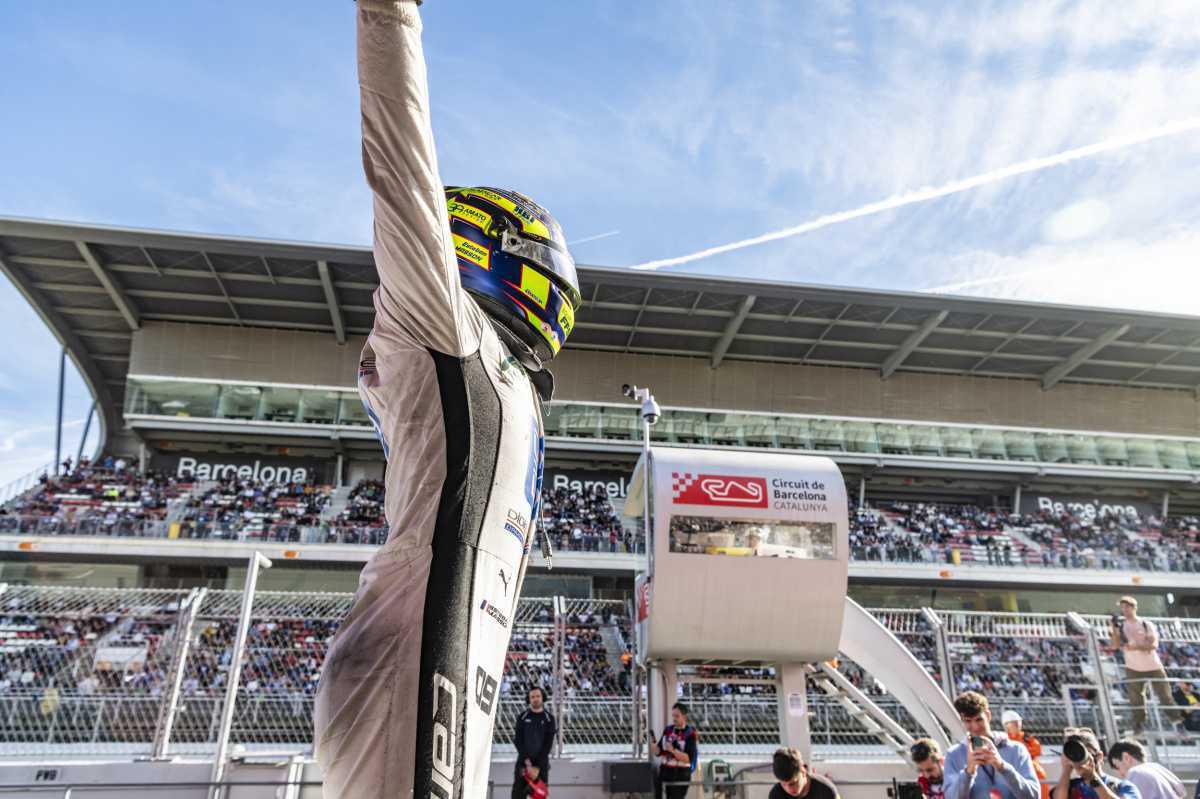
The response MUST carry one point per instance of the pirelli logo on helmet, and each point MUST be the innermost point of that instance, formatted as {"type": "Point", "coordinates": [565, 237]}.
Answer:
{"type": "Point", "coordinates": [470, 251]}
{"type": "Point", "coordinates": [467, 213]}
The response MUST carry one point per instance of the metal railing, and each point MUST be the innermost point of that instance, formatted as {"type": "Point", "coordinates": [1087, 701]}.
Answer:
{"type": "Point", "coordinates": [103, 671]}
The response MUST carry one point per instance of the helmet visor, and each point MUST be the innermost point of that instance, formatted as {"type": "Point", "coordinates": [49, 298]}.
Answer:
{"type": "Point", "coordinates": [558, 264]}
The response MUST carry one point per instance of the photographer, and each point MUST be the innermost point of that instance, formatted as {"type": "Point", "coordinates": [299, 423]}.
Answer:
{"type": "Point", "coordinates": [1138, 641]}
{"type": "Point", "coordinates": [1083, 775]}
{"type": "Point", "coordinates": [986, 765]}
{"type": "Point", "coordinates": [927, 757]}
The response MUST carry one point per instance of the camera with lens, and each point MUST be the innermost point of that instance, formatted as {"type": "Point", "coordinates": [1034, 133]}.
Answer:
{"type": "Point", "coordinates": [1075, 750]}
{"type": "Point", "coordinates": [905, 790]}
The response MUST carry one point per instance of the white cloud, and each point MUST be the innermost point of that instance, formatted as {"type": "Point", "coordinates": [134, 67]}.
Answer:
{"type": "Point", "coordinates": [1077, 221]}
{"type": "Point", "coordinates": [1157, 275]}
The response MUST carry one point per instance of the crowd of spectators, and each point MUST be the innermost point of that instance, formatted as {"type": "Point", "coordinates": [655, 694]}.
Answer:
{"type": "Point", "coordinates": [245, 508]}
{"type": "Point", "coordinates": [926, 532]}
{"type": "Point", "coordinates": [584, 521]}
{"type": "Point", "coordinates": [103, 498]}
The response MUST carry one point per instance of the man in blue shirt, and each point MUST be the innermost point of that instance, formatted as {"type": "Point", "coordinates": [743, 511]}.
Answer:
{"type": "Point", "coordinates": [1089, 780]}
{"type": "Point", "coordinates": [987, 765]}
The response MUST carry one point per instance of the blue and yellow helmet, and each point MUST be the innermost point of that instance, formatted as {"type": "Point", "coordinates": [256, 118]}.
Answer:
{"type": "Point", "coordinates": [513, 258]}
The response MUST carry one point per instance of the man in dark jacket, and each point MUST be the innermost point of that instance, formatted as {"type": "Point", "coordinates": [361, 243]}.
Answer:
{"type": "Point", "coordinates": [534, 739]}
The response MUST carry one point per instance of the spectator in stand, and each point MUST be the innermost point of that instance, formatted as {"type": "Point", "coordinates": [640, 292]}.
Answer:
{"type": "Point", "coordinates": [1153, 781]}
{"type": "Point", "coordinates": [1085, 778]}
{"type": "Point", "coordinates": [1138, 641]}
{"type": "Point", "coordinates": [986, 765]}
{"type": "Point", "coordinates": [676, 752]}
{"type": "Point", "coordinates": [1186, 698]}
{"type": "Point", "coordinates": [796, 780]}
{"type": "Point", "coordinates": [1012, 722]}
{"type": "Point", "coordinates": [534, 739]}
{"type": "Point", "coordinates": [927, 757]}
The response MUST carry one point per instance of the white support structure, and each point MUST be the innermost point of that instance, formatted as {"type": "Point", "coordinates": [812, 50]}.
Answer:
{"type": "Point", "coordinates": [184, 627]}
{"type": "Point", "coordinates": [257, 561]}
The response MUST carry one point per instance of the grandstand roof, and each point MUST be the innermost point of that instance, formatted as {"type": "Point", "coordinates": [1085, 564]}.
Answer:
{"type": "Point", "coordinates": [94, 285]}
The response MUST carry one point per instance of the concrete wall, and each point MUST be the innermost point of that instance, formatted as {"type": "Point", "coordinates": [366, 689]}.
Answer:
{"type": "Point", "coordinates": [288, 356]}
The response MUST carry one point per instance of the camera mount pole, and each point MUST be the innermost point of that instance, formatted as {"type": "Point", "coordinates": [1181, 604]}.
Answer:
{"type": "Point", "coordinates": [1107, 714]}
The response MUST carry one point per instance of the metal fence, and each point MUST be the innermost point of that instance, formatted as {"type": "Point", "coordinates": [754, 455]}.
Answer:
{"type": "Point", "coordinates": [144, 671]}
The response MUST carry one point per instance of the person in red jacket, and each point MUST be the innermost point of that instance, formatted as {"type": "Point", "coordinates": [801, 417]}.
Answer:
{"type": "Point", "coordinates": [535, 786]}
{"type": "Point", "coordinates": [1012, 725]}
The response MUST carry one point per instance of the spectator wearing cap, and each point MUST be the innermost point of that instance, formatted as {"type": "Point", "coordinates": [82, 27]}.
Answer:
{"type": "Point", "coordinates": [1138, 641]}
{"type": "Point", "coordinates": [1012, 722]}
{"type": "Point", "coordinates": [986, 765]}
{"type": "Point", "coordinates": [1153, 781]}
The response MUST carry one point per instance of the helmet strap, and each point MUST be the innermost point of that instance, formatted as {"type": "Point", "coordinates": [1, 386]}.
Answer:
{"type": "Point", "coordinates": [539, 375]}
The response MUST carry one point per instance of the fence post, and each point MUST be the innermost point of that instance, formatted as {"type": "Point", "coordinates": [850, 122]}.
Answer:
{"type": "Point", "coordinates": [631, 678]}
{"type": "Point", "coordinates": [188, 611]}
{"type": "Point", "coordinates": [560, 632]}
{"type": "Point", "coordinates": [235, 673]}
{"type": "Point", "coordinates": [1094, 654]}
{"type": "Point", "coordinates": [943, 649]}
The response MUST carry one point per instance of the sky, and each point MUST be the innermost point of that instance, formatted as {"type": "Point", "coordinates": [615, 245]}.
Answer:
{"type": "Point", "coordinates": [680, 125]}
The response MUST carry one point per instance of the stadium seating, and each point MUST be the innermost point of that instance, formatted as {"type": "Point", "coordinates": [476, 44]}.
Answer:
{"type": "Point", "coordinates": [104, 500]}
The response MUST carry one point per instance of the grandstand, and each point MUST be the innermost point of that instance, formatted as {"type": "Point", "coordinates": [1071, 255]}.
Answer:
{"type": "Point", "coordinates": [1009, 463]}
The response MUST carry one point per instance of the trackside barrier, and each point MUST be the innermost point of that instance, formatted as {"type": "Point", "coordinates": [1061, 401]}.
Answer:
{"type": "Point", "coordinates": [118, 672]}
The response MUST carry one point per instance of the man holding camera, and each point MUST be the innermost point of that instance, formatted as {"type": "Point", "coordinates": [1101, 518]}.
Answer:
{"type": "Point", "coordinates": [986, 765]}
{"type": "Point", "coordinates": [927, 757]}
{"type": "Point", "coordinates": [1138, 641]}
{"type": "Point", "coordinates": [1083, 774]}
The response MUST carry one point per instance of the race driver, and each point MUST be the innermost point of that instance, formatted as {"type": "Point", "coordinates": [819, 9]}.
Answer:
{"type": "Point", "coordinates": [476, 292]}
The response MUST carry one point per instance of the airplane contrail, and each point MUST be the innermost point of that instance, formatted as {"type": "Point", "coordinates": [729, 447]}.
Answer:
{"type": "Point", "coordinates": [933, 192]}
{"type": "Point", "coordinates": [586, 239]}
{"type": "Point", "coordinates": [983, 281]}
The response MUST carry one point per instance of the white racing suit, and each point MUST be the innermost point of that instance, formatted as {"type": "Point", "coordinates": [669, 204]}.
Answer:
{"type": "Point", "coordinates": [410, 686]}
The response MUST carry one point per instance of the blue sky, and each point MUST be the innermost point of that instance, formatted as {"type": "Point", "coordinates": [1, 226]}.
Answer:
{"type": "Point", "coordinates": [682, 125]}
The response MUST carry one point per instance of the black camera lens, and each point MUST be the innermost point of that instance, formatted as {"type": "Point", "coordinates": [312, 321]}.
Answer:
{"type": "Point", "coordinates": [1075, 751]}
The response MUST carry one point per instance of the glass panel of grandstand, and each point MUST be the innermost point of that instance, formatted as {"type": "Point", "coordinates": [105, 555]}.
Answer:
{"type": "Point", "coordinates": [894, 439]}
{"type": "Point", "coordinates": [790, 432]}
{"type": "Point", "coordinates": [280, 404]}
{"type": "Point", "coordinates": [621, 424]}
{"type": "Point", "coordinates": [989, 444]}
{"type": "Point", "coordinates": [1082, 449]}
{"type": "Point", "coordinates": [239, 402]}
{"type": "Point", "coordinates": [1143, 454]}
{"type": "Point", "coordinates": [864, 437]}
{"type": "Point", "coordinates": [1173, 455]}
{"type": "Point", "coordinates": [1052, 447]}
{"type": "Point", "coordinates": [1020, 445]}
{"type": "Point", "coordinates": [727, 429]}
{"type": "Point", "coordinates": [828, 435]}
{"type": "Point", "coordinates": [351, 411]}
{"type": "Point", "coordinates": [956, 442]}
{"type": "Point", "coordinates": [318, 407]}
{"type": "Point", "coordinates": [172, 398]}
{"type": "Point", "coordinates": [925, 440]}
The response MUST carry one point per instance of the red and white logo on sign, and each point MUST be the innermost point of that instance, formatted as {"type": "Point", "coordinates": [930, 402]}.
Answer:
{"type": "Point", "coordinates": [718, 489]}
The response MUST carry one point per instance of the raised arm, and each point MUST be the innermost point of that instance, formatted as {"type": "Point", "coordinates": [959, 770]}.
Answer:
{"type": "Point", "coordinates": [419, 289]}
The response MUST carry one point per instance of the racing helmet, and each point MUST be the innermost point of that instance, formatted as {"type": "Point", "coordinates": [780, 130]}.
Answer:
{"type": "Point", "coordinates": [513, 259]}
